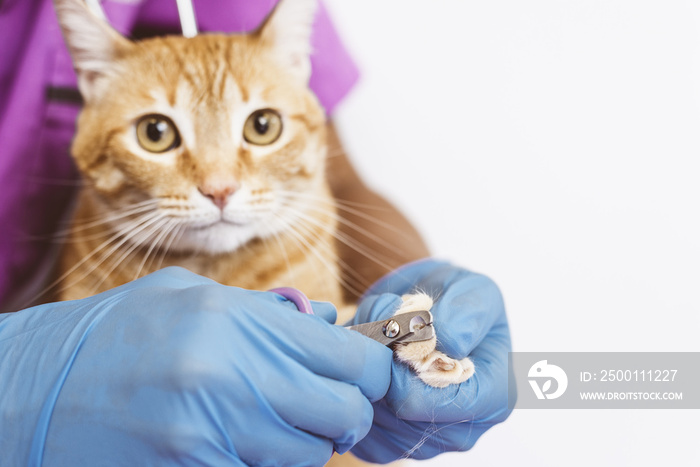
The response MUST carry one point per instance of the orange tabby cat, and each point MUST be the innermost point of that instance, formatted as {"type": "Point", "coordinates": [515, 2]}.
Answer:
{"type": "Point", "coordinates": [208, 153]}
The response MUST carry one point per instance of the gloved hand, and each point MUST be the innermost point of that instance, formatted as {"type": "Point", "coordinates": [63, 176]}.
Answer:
{"type": "Point", "coordinates": [415, 420]}
{"type": "Point", "coordinates": [176, 369]}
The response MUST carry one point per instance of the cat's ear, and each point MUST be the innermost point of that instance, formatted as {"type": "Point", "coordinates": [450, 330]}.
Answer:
{"type": "Point", "coordinates": [92, 42]}
{"type": "Point", "coordinates": [287, 30]}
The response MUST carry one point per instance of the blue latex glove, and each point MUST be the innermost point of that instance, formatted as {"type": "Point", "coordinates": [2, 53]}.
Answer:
{"type": "Point", "coordinates": [176, 369]}
{"type": "Point", "coordinates": [418, 421]}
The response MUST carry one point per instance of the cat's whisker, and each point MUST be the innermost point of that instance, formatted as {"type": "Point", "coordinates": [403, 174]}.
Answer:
{"type": "Point", "coordinates": [128, 231]}
{"type": "Point", "coordinates": [162, 246]}
{"type": "Point", "coordinates": [369, 253]}
{"type": "Point", "coordinates": [347, 272]}
{"type": "Point", "coordinates": [114, 236]}
{"type": "Point", "coordinates": [376, 257]}
{"type": "Point", "coordinates": [80, 238]}
{"type": "Point", "coordinates": [333, 201]}
{"type": "Point", "coordinates": [292, 229]}
{"type": "Point", "coordinates": [285, 255]}
{"type": "Point", "coordinates": [346, 269]}
{"type": "Point", "coordinates": [135, 243]}
{"type": "Point", "coordinates": [334, 152]}
{"type": "Point", "coordinates": [303, 241]}
{"type": "Point", "coordinates": [297, 206]}
{"type": "Point", "coordinates": [370, 218]}
{"type": "Point", "coordinates": [116, 215]}
{"type": "Point", "coordinates": [64, 236]}
{"type": "Point", "coordinates": [129, 237]}
{"type": "Point", "coordinates": [164, 230]}
{"type": "Point", "coordinates": [125, 208]}
{"type": "Point", "coordinates": [181, 229]}
{"type": "Point", "coordinates": [377, 239]}
{"type": "Point", "coordinates": [347, 207]}
{"type": "Point", "coordinates": [373, 207]}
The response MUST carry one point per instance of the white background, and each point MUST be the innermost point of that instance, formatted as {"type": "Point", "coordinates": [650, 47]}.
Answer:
{"type": "Point", "coordinates": [555, 146]}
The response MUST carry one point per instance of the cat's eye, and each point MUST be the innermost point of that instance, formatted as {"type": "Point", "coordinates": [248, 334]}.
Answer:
{"type": "Point", "coordinates": [263, 127]}
{"type": "Point", "coordinates": [157, 133]}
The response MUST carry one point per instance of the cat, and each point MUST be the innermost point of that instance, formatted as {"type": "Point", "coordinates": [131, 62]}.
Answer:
{"type": "Point", "coordinates": [209, 153]}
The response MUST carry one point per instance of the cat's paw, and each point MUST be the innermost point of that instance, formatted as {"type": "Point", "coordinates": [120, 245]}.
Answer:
{"type": "Point", "coordinates": [433, 367]}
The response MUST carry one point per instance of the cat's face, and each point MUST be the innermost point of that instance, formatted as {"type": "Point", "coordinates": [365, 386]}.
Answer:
{"type": "Point", "coordinates": [210, 135]}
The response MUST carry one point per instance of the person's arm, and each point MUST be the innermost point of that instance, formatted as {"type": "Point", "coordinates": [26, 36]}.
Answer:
{"type": "Point", "coordinates": [174, 368]}
{"type": "Point", "coordinates": [470, 320]}
{"type": "Point", "coordinates": [381, 239]}
{"type": "Point", "coordinates": [418, 421]}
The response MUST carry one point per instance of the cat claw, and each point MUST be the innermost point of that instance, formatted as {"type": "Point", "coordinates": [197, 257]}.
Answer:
{"type": "Point", "coordinates": [433, 367]}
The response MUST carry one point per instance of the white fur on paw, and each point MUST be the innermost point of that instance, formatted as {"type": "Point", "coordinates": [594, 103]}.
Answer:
{"type": "Point", "coordinates": [433, 367]}
{"type": "Point", "coordinates": [441, 371]}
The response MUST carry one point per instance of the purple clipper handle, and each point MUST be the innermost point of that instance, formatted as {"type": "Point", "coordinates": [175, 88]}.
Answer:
{"type": "Point", "coordinates": [296, 297]}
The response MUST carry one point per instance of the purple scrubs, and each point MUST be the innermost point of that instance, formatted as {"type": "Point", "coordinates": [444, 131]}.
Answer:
{"type": "Point", "coordinates": [38, 111]}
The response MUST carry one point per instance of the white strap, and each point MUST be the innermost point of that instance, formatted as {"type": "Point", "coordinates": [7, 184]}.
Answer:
{"type": "Point", "coordinates": [185, 10]}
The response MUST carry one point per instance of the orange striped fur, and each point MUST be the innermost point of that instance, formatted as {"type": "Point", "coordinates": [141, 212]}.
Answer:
{"type": "Point", "coordinates": [139, 212]}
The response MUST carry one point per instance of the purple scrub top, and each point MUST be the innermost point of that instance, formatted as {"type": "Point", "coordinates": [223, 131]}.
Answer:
{"type": "Point", "coordinates": [38, 110]}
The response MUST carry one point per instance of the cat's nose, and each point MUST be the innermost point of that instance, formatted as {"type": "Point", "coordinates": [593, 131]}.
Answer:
{"type": "Point", "coordinates": [218, 193]}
